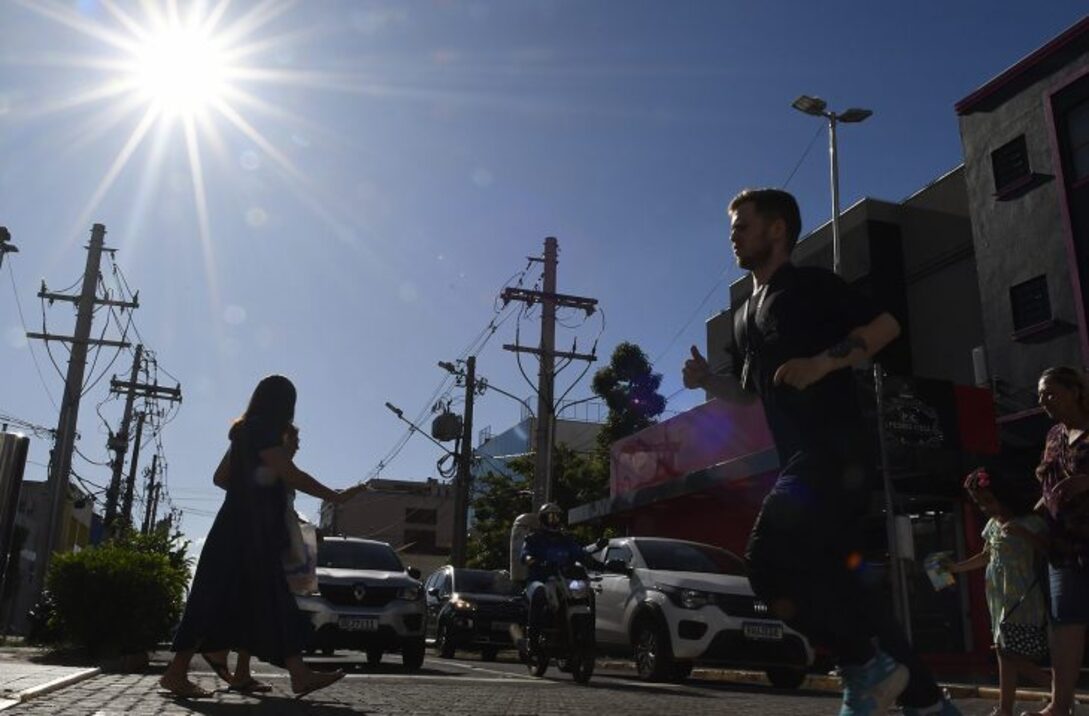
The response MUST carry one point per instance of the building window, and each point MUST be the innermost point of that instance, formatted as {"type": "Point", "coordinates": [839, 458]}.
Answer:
{"type": "Point", "coordinates": [1077, 134]}
{"type": "Point", "coordinates": [1010, 165]}
{"type": "Point", "coordinates": [417, 540]}
{"type": "Point", "coordinates": [1030, 303]}
{"type": "Point", "coordinates": [419, 516]}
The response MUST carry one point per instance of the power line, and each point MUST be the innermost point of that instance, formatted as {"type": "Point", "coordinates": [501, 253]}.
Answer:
{"type": "Point", "coordinates": [22, 321]}
{"type": "Point", "coordinates": [816, 134]}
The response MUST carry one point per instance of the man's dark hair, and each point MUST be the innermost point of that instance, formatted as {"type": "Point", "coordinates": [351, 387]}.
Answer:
{"type": "Point", "coordinates": [772, 204]}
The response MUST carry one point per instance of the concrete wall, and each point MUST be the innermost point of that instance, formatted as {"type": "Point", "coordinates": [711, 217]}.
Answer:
{"type": "Point", "coordinates": [1022, 237]}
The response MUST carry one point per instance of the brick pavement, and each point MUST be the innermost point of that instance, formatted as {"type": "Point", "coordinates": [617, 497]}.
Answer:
{"type": "Point", "coordinates": [445, 688]}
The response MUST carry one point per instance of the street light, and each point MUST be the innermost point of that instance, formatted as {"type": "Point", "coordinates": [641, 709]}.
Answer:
{"type": "Point", "coordinates": [817, 107]}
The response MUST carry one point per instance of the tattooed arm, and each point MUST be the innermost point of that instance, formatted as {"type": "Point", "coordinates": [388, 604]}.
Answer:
{"type": "Point", "coordinates": [859, 345]}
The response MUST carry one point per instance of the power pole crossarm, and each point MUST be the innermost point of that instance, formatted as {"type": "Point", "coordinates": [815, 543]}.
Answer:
{"type": "Point", "coordinates": [75, 299]}
{"type": "Point", "coordinates": [589, 357]}
{"type": "Point", "coordinates": [76, 340]}
{"type": "Point", "coordinates": [559, 299]}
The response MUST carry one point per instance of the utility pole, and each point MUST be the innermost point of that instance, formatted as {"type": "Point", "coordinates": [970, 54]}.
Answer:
{"type": "Point", "coordinates": [61, 462]}
{"type": "Point", "coordinates": [547, 354]}
{"type": "Point", "coordinates": [465, 464]}
{"type": "Point", "coordinates": [152, 495]}
{"type": "Point", "coordinates": [119, 441]}
{"type": "Point", "coordinates": [126, 504]}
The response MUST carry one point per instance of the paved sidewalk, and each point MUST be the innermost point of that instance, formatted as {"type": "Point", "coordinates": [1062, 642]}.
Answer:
{"type": "Point", "coordinates": [21, 680]}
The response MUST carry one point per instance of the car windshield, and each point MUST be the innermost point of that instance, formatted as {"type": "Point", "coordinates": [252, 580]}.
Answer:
{"type": "Point", "coordinates": [686, 557]}
{"type": "Point", "coordinates": [358, 555]}
{"type": "Point", "coordinates": [479, 581]}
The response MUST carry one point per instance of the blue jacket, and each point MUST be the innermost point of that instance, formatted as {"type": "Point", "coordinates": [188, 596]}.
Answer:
{"type": "Point", "coordinates": [557, 549]}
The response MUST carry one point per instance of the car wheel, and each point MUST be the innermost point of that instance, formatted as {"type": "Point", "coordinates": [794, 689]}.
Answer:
{"type": "Point", "coordinates": [537, 658]}
{"type": "Point", "coordinates": [785, 677]}
{"type": "Point", "coordinates": [443, 644]}
{"type": "Point", "coordinates": [412, 653]}
{"type": "Point", "coordinates": [653, 661]}
{"type": "Point", "coordinates": [681, 671]}
{"type": "Point", "coordinates": [488, 653]}
{"type": "Point", "coordinates": [374, 656]}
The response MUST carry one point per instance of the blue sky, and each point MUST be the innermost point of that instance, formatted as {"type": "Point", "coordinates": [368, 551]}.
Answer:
{"type": "Point", "coordinates": [376, 172]}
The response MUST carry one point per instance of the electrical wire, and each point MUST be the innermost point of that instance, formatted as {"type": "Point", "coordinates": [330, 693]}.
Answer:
{"type": "Point", "coordinates": [22, 322]}
{"type": "Point", "coordinates": [687, 323]}
{"type": "Point", "coordinates": [804, 155]}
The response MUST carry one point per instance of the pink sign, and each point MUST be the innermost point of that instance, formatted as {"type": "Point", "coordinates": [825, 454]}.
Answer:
{"type": "Point", "coordinates": [698, 438]}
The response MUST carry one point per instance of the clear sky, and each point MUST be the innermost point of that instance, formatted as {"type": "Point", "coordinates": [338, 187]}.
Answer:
{"type": "Point", "coordinates": [338, 190]}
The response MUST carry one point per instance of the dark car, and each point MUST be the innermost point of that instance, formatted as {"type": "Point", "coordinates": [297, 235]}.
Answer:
{"type": "Point", "coordinates": [472, 609]}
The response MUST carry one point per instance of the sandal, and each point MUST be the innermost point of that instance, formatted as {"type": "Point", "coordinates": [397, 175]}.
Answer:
{"type": "Point", "coordinates": [320, 681]}
{"type": "Point", "coordinates": [250, 686]}
{"type": "Point", "coordinates": [188, 690]}
{"type": "Point", "coordinates": [219, 667]}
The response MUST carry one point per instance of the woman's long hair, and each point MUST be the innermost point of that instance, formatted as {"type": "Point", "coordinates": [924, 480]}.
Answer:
{"type": "Point", "coordinates": [272, 403]}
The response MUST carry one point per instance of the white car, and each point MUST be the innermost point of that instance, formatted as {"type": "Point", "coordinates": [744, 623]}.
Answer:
{"type": "Point", "coordinates": [366, 600]}
{"type": "Point", "coordinates": [673, 603]}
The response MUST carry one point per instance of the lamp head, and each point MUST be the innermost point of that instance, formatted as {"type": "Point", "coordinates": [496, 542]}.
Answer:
{"type": "Point", "coordinates": [854, 114]}
{"type": "Point", "coordinates": [810, 105]}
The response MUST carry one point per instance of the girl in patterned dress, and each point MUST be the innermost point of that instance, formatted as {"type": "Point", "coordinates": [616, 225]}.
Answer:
{"type": "Point", "coordinates": [1011, 539]}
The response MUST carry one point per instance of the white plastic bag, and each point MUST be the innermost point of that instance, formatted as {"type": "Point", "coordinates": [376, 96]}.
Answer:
{"type": "Point", "coordinates": [301, 556]}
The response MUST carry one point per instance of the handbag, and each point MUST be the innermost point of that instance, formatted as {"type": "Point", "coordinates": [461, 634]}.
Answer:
{"type": "Point", "coordinates": [1024, 640]}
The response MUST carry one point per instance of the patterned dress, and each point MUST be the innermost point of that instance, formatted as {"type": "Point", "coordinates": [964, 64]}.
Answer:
{"type": "Point", "coordinates": [1069, 521]}
{"type": "Point", "coordinates": [1011, 575]}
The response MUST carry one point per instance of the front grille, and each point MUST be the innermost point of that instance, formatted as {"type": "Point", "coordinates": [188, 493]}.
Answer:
{"type": "Point", "coordinates": [344, 595]}
{"type": "Point", "coordinates": [739, 605]}
{"type": "Point", "coordinates": [731, 647]}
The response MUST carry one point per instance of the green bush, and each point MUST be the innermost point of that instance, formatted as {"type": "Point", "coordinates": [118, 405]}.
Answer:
{"type": "Point", "coordinates": [121, 597]}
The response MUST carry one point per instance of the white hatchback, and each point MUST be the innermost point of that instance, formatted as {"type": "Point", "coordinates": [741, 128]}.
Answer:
{"type": "Point", "coordinates": [672, 604]}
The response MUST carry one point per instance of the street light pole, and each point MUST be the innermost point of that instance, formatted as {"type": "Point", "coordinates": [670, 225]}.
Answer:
{"type": "Point", "coordinates": [817, 107]}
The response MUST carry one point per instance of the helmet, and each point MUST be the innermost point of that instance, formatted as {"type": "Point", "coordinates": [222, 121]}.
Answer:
{"type": "Point", "coordinates": [550, 516]}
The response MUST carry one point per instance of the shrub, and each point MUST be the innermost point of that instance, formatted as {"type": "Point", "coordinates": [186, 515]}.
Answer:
{"type": "Point", "coordinates": [121, 597]}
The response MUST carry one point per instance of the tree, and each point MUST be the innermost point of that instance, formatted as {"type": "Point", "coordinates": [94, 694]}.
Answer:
{"type": "Point", "coordinates": [629, 387]}
{"type": "Point", "coordinates": [578, 478]}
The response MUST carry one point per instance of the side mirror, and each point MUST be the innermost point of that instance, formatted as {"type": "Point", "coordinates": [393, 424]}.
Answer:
{"type": "Point", "coordinates": [434, 591]}
{"type": "Point", "coordinates": [602, 542]}
{"type": "Point", "coordinates": [413, 572]}
{"type": "Point", "coordinates": [617, 566]}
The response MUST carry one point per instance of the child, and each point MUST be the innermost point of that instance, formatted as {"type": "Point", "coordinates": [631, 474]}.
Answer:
{"type": "Point", "coordinates": [1012, 536]}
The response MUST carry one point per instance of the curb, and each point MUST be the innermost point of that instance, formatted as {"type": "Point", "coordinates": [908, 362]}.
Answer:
{"type": "Point", "coordinates": [832, 684]}
{"type": "Point", "coordinates": [49, 687]}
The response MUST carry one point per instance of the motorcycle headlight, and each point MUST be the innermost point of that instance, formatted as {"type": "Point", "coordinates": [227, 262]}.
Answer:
{"type": "Point", "coordinates": [410, 594]}
{"type": "Point", "coordinates": [578, 588]}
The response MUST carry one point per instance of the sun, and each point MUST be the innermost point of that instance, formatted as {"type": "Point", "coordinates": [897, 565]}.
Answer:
{"type": "Point", "coordinates": [181, 70]}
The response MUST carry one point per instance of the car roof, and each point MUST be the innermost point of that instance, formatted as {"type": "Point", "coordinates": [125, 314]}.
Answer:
{"type": "Point", "coordinates": [357, 540]}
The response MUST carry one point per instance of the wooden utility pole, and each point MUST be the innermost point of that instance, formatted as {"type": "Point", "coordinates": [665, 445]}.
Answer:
{"type": "Point", "coordinates": [132, 390]}
{"type": "Point", "coordinates": [152, 494]}
{"type": "Point", "coordinates": [547, 354]}
{"type": "Point", "coordinates": [119, 441]}
{"type": "Point", "coordinates": [465, 464]}
{"type": "Point", "coordinates": [61, 463]}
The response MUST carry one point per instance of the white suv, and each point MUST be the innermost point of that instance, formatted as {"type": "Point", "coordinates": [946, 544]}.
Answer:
{"type": "Point", "coordinates": [674, 603]}
{"type": "Point", "coordinates": [366, 600]}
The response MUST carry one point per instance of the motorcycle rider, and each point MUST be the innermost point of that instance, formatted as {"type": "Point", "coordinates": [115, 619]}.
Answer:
{"type": "Point", "coordinates": [545, 551]}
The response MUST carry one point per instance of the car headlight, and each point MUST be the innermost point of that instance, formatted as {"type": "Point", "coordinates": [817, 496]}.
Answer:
{"type": "Point", "coordinates": [688, 598]}
{"type": "Point", "coordinates": [411, 593]}
{"type": "Point", "coordinates": [458, 603]}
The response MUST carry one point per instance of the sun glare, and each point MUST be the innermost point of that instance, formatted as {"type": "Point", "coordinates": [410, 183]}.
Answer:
{"type": "Point", "coordinates": [180, 70]}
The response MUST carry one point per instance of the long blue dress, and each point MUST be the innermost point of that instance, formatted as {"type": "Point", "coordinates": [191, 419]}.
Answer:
{"type": "Point", "coordinates": [240, 598]}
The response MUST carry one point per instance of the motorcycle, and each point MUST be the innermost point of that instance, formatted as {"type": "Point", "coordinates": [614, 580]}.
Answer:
{"type": "Point", "coordinates": [568, 636]}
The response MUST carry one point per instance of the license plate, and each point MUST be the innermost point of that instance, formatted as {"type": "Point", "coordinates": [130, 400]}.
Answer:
{"type": "Point", "coordinates": [359, 624]}
{"type": "Point", "coordinates": [762, 631]}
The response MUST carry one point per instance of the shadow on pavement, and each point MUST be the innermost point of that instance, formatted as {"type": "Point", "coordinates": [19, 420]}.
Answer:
{"type": "Point", "coordinates": [275, 704]}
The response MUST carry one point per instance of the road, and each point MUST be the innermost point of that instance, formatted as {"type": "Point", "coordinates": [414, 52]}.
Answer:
{"type": "Point", "coordinates": [451, 687]}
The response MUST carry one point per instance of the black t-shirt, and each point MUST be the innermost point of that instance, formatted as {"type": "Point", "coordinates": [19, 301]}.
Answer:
{"type": "Point", "coordinates": [802, 313]}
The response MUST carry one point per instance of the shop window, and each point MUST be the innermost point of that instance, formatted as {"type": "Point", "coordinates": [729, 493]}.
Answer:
{"type": "Point", "coordinates": [1030, 303]}
{"type": "Point", "coordinates": [1010, 165]}
{"type": "Point", "coordinates": [420, 516]}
